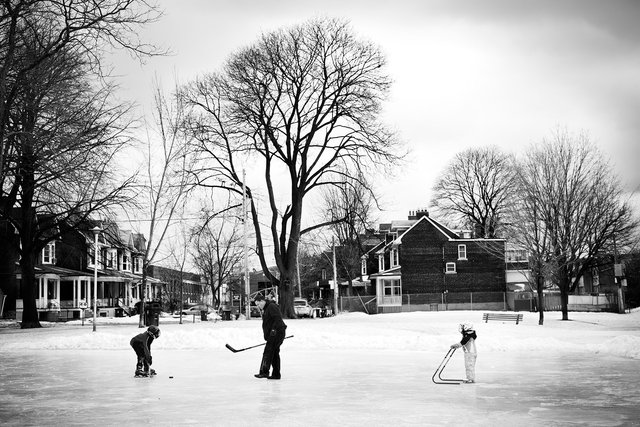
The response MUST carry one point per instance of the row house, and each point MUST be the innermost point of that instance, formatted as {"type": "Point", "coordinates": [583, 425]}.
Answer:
{"type": "Point", "coordinates": [421, 256]}
{"type": "Point", "coordinates": [66, 267]}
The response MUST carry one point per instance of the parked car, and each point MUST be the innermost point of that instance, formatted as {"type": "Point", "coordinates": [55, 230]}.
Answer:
{"type": "Point", "coordinates": [196, 309]}
{"type": "Point", "coordinates": [302, 308]}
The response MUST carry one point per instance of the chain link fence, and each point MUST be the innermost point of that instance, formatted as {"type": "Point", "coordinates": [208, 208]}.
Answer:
{"type": "Point", "coordinates": [494, 301]}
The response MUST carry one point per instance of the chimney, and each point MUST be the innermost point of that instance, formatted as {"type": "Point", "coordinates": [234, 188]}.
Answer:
{"type": "Point", "coordinates": [417, 214]}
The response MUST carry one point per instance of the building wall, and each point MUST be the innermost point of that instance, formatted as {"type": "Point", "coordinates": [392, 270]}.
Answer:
{"type": "Point", "coordinates": [425, 251]}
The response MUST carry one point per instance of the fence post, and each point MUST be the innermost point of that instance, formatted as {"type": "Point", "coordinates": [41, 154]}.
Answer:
{"type": "Point", "coordinates": [471, 296]}
{"type": "Point", "coordinates": [408, 302]}
{"type": "Point", "coordinates": [504, 301]}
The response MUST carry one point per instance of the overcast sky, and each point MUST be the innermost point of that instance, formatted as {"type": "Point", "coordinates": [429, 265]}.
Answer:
{"type": "Point", "coordinates": [466, 73]}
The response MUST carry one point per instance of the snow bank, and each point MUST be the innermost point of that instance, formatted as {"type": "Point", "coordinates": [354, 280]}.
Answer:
{"type": "Point", "coordinates": [606, 333]}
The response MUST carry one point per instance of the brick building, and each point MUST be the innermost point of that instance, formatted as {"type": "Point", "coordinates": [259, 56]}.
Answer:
{"type": "Point", "coordinates": [422, 256]}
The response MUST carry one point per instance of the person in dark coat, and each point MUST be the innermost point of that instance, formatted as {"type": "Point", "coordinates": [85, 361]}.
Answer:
{"type": "Point", "coordinates": [141, 344]}
{"type": "Point", "coordinates": [273, 329]}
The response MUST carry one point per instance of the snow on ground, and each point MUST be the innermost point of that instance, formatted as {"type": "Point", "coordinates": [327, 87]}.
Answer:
{"type": "Point", "coordinates": [607, 333]}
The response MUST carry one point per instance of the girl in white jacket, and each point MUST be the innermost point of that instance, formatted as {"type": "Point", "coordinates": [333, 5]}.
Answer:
{"type": "Point", "coordinates": [468, 343]}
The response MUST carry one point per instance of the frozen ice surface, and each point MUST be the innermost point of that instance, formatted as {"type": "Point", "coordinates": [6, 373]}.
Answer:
{"type": "Point", "coordinates": [350, 370]}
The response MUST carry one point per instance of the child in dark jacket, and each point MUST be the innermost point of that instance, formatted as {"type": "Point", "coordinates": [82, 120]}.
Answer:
{"type": "Point", "coordinates": [141, 344]}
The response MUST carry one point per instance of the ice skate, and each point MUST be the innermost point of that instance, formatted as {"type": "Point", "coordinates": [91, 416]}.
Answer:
{"type": "Point", "coordinates": [141, 374]}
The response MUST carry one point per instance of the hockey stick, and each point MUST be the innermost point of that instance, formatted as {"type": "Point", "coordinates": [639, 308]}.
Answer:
{"type": "Point", "coordinates": [247, 348]}
{"type": "Point", "coordinates": [443, 364]}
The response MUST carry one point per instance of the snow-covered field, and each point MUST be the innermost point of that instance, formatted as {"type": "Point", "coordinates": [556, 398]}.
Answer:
{"type": "Point", "coordinates": [351, 369]}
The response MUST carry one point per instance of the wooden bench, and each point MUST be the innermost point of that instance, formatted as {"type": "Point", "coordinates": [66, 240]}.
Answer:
{"type": "Point", "coordinates": [502, 316]}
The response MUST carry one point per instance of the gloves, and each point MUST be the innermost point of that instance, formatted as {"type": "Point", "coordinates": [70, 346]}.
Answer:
{"type": "Point", "coordinates": [456, 345]}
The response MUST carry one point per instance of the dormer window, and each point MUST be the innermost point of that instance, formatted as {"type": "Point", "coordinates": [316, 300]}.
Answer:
{"type": "Point", "coordinates": [49, 253]}
{"type": "Point", "coordinates": [363, 267]}
{"type": "Point", "coordinates": [91, 257]}
{"type": "Point", "coordinates": [137, 265]}
{"type": "Point", "coordinates": [394, 257]}
{"type": "Point", "coordinates": [462, 252]}
{"type": "Point", "coordinates": [126, 261]}
{"type": "Point", "coordinates": [380, 262]}
{"type": "Point", "coordinates": [112, 258]}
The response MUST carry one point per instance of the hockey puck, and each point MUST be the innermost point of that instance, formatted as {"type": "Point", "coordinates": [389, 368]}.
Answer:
{"type": "Point", "coordinates": [170, 377]}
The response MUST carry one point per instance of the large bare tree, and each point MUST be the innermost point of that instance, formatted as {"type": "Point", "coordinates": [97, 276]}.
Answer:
{"type": "Point", "coordinates": [300, 105]}
{"type": "Point", "coordinates": [62, 134]}
{"type": "Point", "coordinates": [58, 129]}
{"type": "Point", "coordinates": [573, 208]}
{"type": "Point", "coordinates": [475, 190]}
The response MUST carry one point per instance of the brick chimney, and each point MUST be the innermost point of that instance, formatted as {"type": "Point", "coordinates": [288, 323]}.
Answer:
{"type": "Point", "coordinates": [417, 214]}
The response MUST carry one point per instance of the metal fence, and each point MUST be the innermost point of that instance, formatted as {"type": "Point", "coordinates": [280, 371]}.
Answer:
{"type": "Point", "coordinates": [495, 301]}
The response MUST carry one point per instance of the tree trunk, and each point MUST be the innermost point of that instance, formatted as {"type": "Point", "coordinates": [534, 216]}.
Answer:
{"type": "Point", "coordinates": [28, 219]}
{"type": "Point", "coordinates": [285, 292]}
{"type": "Point", "coordinates": [564, 292]}
{"type": "Point", "coordinates": [539, 281]}
{"type": "Point", "coordinates": [28, 289]}
{"type": "Point", "coordinates": [143, 286]}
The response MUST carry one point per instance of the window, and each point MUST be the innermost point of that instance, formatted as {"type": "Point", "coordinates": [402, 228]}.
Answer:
{"type": "Point", "coordinates": [516, 255]}
{"type": "Point", "coordinates": [451, 268]}
{"type": "Point", "coordinates": [394, 257]}
{"type": "Point", "coordinates": [112, 258]}
{"type": "Point", "coordinates": [91, 257]}
{"type": "Point", "coordinates": [380, 262]}
{"type": "Point", "coordinates": [392, 288]}
{"type": "Point", "coordinates": [137, 265]}
{"type": "Point", "coordinates": [126, 261]}
{"type": "Point", "coordinates": [49, 253]}
{"type": "Point", "coordinates": [462, 251]}
{"type": "Point", "coordinates": [363, 267]}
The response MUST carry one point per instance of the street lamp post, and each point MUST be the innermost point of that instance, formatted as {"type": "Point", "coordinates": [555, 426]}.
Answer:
{"type": "Point", "coordinates": [96, 230]}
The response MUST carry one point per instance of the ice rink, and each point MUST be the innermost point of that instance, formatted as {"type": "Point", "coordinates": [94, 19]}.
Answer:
{"type": "Point", "coordinates": [349, 370]}
{"type": "Point", "coordinates": [320, 388]}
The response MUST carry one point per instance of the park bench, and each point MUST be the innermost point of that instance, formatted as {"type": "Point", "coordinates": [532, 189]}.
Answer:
{"type": "Point", "coordinates": [502, 316]}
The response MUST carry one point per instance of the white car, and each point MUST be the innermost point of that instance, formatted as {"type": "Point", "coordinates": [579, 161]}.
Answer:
{"type": "Point", "coordinates": [302, 308]}
{"type": "Point", "coordinates": [196, 309]}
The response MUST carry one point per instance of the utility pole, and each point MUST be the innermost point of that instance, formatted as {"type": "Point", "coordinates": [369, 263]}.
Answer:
{"type": "Point", "coordinates": [336, 289]}
{"type": "Point", "coordinates": [617, 274]}
{"type": "Point", "coordinates": [247, 287]}
{"type": "Point", "coordinates": [298, 269]}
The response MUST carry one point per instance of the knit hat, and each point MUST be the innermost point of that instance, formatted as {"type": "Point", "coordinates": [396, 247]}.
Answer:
{"type": "Point", "coordinates": [153, 329]}
{"type": "Point", "coordinates": [465, 327]}
{"type": "Point", "coordinates": [258, 297]}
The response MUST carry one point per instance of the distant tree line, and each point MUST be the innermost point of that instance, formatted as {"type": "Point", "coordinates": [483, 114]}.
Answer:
{"type": "Point", "coordinates": [560, 200]}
